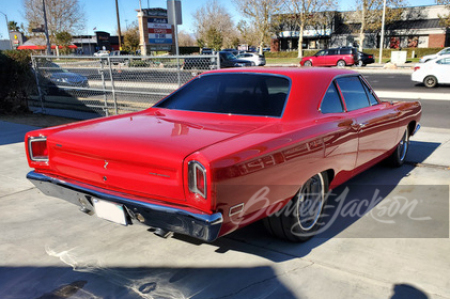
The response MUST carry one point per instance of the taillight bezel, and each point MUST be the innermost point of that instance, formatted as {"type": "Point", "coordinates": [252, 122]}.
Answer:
{"type": "Point", "coordinates": [30, 149]}
{"type": "Point", "coordinates": [193, 168]}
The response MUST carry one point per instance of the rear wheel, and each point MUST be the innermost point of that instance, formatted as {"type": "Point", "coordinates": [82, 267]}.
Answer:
{"type": "Point", "coordinates": [300, 219]}
{"type": "Point", "coordinates": [307, 63]}
{"type": "Point", "coordinates": [341, 63]}
{"type": "Point", "coordinates": [430, 81]}
{"type": "Point", "coordinates": [397, 158]}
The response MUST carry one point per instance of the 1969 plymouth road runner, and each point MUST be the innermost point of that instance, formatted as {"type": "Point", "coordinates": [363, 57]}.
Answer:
{"type": "Point", "coordinates": [228, 148]}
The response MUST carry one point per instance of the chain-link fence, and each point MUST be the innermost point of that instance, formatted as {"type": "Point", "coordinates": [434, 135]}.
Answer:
{"type": "Point", "coordinates": [86, 86]}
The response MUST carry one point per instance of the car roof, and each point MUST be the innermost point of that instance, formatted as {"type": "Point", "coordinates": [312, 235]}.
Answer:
{"type": "Point", "coordinates": [308, 86]}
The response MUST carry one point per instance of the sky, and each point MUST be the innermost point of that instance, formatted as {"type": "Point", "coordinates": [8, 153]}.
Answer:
{"type": "Point", "coordinates": [101, 14]}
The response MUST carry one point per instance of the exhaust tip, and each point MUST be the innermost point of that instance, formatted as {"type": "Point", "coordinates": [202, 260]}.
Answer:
{"type": "Point", "coordinates": [162, 233]}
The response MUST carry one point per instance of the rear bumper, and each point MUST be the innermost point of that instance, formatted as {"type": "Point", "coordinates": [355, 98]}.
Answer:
{"type": "Point", "coordinates": [201, 226]}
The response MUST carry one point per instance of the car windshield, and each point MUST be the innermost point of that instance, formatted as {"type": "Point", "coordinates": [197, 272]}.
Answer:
{"type": "Point", "coordinates": [228, 55]}
{"type": "Point", "coordinates": [54, 68]}
{"type": "Point", "coordinates": [244, 94]}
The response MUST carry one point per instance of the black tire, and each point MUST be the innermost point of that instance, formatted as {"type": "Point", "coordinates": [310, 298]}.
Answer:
{"type": "Point", "coordinates": [340, 63]}
{"type": "Point", "coordinates": [307, 63]}
{"type": "Point", "coordinates": [360, 63]}
{"type": "Point", "coordinates": [430, 81]}
{"type": "Point", "coordinates": [397, 158]}
{"type": "Point", "coordinates": [300, 219]}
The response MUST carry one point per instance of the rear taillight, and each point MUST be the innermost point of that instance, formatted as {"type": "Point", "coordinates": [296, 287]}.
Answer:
{"type": "Point", "coordinates": [38, 149]}
{"type": "Point", "coordinates": [416, 68]}
{"type": "Point", "coordinates": [197, 178]}
{"type": "Point", "coordinates": [370, 56]}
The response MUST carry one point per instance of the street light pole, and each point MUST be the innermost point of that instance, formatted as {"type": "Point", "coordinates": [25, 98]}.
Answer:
{"type": "Point", "coordinates": [118, 25]}
{"type": "Point", "coordinates": [382, 32]}
{"type": "Point", "coordinates": [7, 29]}
{"type": "Point", "coordinates": [49, 51]}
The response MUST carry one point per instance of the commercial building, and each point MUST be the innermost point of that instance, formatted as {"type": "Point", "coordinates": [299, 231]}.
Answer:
{"type": "Point", "coordinates": [419, 26]}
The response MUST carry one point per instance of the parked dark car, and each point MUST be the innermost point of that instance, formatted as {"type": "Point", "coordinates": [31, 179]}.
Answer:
{"type": "Point", "coordinates": [227, 59]}
{"type": "Point", "coordinates": [364, 59]}
{"type": "Point", "coordinates": [116, 57]}
{"type": "Point", "coordinates": [207, 51]}
{"type": "Point", "coordinates": [233, 51]}
{"type": "Point", "coordinates": [332, 57]}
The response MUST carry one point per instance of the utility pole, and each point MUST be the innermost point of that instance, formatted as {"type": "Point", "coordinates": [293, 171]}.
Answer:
{"type": "Point", "coordinates": [118, 25]}
{"type": "Point", "coordinates": [382, 32]}
{"type": "Point", "coordinates": [49, 51]}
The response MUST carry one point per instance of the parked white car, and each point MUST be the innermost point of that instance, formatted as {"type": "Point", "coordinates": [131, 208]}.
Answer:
{"type": "Point", "coordinates": [426, 58]}
{"type": "Point", "coordinates": [433, 72]}
{"type": "Point", "coordinates": [254, 58]}
{"type": "Point", "coordinates": [101, 53]}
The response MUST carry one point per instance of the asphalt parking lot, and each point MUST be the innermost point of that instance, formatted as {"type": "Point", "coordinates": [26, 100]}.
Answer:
{"type": "Point", "coordinates": [399, 248]}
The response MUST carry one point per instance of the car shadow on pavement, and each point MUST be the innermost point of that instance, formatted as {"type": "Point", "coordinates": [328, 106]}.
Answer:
{"type": "Point", "coordinates": [370, 205]}
{"type": "Point", "coordinates": [140, 282]}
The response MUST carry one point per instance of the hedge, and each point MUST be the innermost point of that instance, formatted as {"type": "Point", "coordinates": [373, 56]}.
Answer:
{"type": "Point", "coordinates": [17, 81]}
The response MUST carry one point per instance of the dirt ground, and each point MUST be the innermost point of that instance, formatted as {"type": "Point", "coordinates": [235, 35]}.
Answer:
{"type": "Point", "coordinates": [37, 119]}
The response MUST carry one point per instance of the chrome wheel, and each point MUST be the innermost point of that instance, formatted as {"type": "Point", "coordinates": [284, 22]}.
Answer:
{"type": "Point", "coordinates": [341, 63]}
{"type": "Point", "coordinates": [310, 203]}
{"type": "Point", "coordinates": [430, 81]}
{"type": "Point", "coordinates": [403, 146]}
{"type": "Point", "coordinates": [307, 63]}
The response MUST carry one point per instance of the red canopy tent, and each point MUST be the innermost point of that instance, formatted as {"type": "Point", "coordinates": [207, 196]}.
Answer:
{"type": "Point", "coordinates": [39, 47]}
{"type": "Point", "coordinates": [40, 44]}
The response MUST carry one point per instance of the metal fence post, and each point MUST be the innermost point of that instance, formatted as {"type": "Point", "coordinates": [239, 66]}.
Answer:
{"type": "Point", "coordinates": [36, 76]}
{"type": "Point", "coordinates": [218, 60]}
{"type": "Point", "coordinates": [102, 74]}
{"type": "Point", "coordinates": [112, 87]}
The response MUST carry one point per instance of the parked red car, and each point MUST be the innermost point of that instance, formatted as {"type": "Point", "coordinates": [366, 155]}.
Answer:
{"type": "Point", "coordinates": [332, 57]}
{"type": "Point", "coordinates": [227, 149]}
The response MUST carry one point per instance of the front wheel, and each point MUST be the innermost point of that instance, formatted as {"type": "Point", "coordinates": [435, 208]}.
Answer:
{"type": "Point", "coordinates": [307, 63]}
{"type": "Point", "coordinates": [341, 63]}
{"type": "Point", "coordinates": [300, 219]}
{"type": "Point", "coordinates": [360, 63]}
{"type": "Point", "coordinates": [397, 158]}
{"type": "Point", "coordinates": [430, 81]}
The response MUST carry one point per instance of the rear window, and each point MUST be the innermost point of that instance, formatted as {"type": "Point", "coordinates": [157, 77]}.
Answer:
{"type": "Point", "coordinates": [245, 94]}
{"type": "Point", "coordinates": [346, 51]}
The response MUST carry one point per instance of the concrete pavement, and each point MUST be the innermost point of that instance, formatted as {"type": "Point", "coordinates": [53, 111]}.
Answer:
{"type": "Point", "coordinates": [48, 249]}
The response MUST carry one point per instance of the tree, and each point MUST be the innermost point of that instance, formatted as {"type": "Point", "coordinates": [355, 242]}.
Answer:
{"type": "Point", "coordinates": [131, 39]}
{"type": "Point", "coordinates": [63, 39]}
{"type": "Point", "coordinates": [212, 22]}
{"type": "Point", "coordinates": [369, 13]}
{"type": "Point", "coordinates": [185, 39]}
{"type": "Point", "coordinates": [307, 13]}
{"type": "Point", "coordinates": [12, 26]}
{"type": "Point", "coordinates": [259, 13]}
{"type": "Point", "coordinates": [248, 33]}
{"type": "Point", "coordinates": [214, 38]}
{"type": "Point", "coordinates": [62, 15]}
{"type": "Point", "coordinates": [445, 18]}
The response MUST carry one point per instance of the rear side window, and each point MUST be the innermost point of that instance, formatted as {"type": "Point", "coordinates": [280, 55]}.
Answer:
{"type": "Point", "coordinates": [346, 51]}
{"type": "Point", "coordinates": [333, 52]}
{"type": "Point", "coordinates": [331, 102]}
{"type": "Point", "coordinates": [353, 92]}
{"type": "Point", "coordinates": [372, 99]}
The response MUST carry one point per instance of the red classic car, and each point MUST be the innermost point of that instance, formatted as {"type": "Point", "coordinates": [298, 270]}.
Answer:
{"type": "Point", "coordinates": [228, 148]}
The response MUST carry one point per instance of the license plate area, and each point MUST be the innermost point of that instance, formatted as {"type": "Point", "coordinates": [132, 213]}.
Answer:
{"type": "Point", "coordinates": [109, 211]}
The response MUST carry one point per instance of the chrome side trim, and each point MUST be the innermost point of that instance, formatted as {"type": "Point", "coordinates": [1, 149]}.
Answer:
{"type": "Point", "coordinates": [236, 209]}
{"type": "Point", "coordinates": [198, 225]}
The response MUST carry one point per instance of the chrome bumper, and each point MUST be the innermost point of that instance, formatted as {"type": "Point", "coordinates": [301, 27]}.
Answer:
{"type": "Point", "coordinates": [201, 226]}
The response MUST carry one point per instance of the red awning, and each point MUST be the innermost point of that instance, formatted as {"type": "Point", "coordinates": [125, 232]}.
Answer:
{"type": "Point", "coordinates": [39, 47]}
